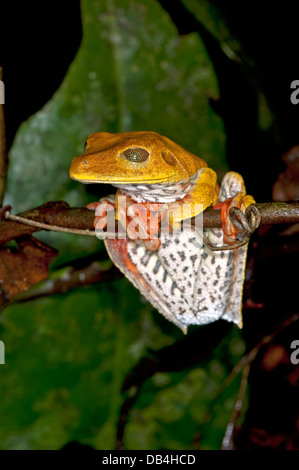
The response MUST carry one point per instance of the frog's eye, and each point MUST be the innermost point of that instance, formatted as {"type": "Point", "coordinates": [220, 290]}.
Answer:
{"type": "Point", "coordinates": [85, 145]}
{"type": "Point", "coordinates": [136, 155]}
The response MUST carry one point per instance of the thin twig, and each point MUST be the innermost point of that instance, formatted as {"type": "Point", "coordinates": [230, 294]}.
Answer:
{"type": "Point", "coordinates": [51, 213]}
{"type": "Point", "coordinates": [43, 226]}
{"type": "Point", "coordinates": [227, 443]}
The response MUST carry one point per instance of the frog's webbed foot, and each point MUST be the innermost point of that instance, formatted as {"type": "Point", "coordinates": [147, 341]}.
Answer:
{"type": "Point", "coordinates": [239, 218]}
{"type": "Point", "coordinates": [143, 223]}
{"type": "Point", "coordinates": [101, 208]}
{"type": "Point", "coordinates": [139, 221]}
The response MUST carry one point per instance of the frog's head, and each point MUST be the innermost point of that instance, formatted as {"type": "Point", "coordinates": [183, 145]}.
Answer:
{"type": "Point", "coordinates": [133, 157]}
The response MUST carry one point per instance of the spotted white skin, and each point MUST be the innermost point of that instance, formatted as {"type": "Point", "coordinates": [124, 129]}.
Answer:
{"type": "Point", "coordinates": [186, 281]}
{"type": "Point", "coordinates": [158, 192]}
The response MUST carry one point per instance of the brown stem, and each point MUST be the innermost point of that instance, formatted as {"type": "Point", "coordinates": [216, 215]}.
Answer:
{"type": "Point", "coordinates": [44, 226]}
{"type": "Point", "coordinates": [60, 214]}
{"type": "Point", "coordinates": [52, 213]}
{"type": "Point", "coordinates": [91, 274]}
{"type": "Point", "coordinates": [227, 442]}
{"type": "Point", "coordinates": [271, 213]}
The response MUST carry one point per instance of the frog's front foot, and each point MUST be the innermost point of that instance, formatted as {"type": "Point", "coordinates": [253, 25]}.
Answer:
{"type": "Point", "coordinates": [101, 209]}
{"type": "Point", "coordinates": [143, 223]}
{"type": "Point", "coordinates": [139, 221]}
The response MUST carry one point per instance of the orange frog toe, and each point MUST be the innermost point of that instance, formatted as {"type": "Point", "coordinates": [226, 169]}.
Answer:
{"type": "Point", "coordinates": [240, 200]}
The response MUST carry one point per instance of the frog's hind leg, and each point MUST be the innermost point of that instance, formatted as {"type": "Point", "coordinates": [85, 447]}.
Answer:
{"type": "Point", "coordinates": [144, 269]}
{"type": "Point", "coordinates": [219, 282]}
{"type": "Point", "coordinates": [225, 269]}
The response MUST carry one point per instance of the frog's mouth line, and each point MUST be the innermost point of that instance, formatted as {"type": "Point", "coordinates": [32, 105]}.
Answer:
{"type": "Point", "coordinates": [165, 181]}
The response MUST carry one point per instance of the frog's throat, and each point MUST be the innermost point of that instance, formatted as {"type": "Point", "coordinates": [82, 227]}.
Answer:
{"type": "Point", "coordinates": [159, 192]}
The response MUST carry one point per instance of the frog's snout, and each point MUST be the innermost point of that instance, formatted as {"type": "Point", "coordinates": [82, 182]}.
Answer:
{"type": "Point", "coordinates": [78, 168]}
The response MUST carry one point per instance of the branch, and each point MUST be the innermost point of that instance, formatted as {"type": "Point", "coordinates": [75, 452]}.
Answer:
{"type": "Point", "coordinates": [58, 216]}
{"type": "Point", "coordinates": [53, 214]}
{"type": "Point", "coordinates": [227, 442]}
{"type": "Point", "coordinates": [70, 278]}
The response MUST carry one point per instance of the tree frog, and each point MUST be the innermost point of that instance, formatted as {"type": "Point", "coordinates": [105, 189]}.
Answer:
{"type": "Point", "coordinates": [180, 275]}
